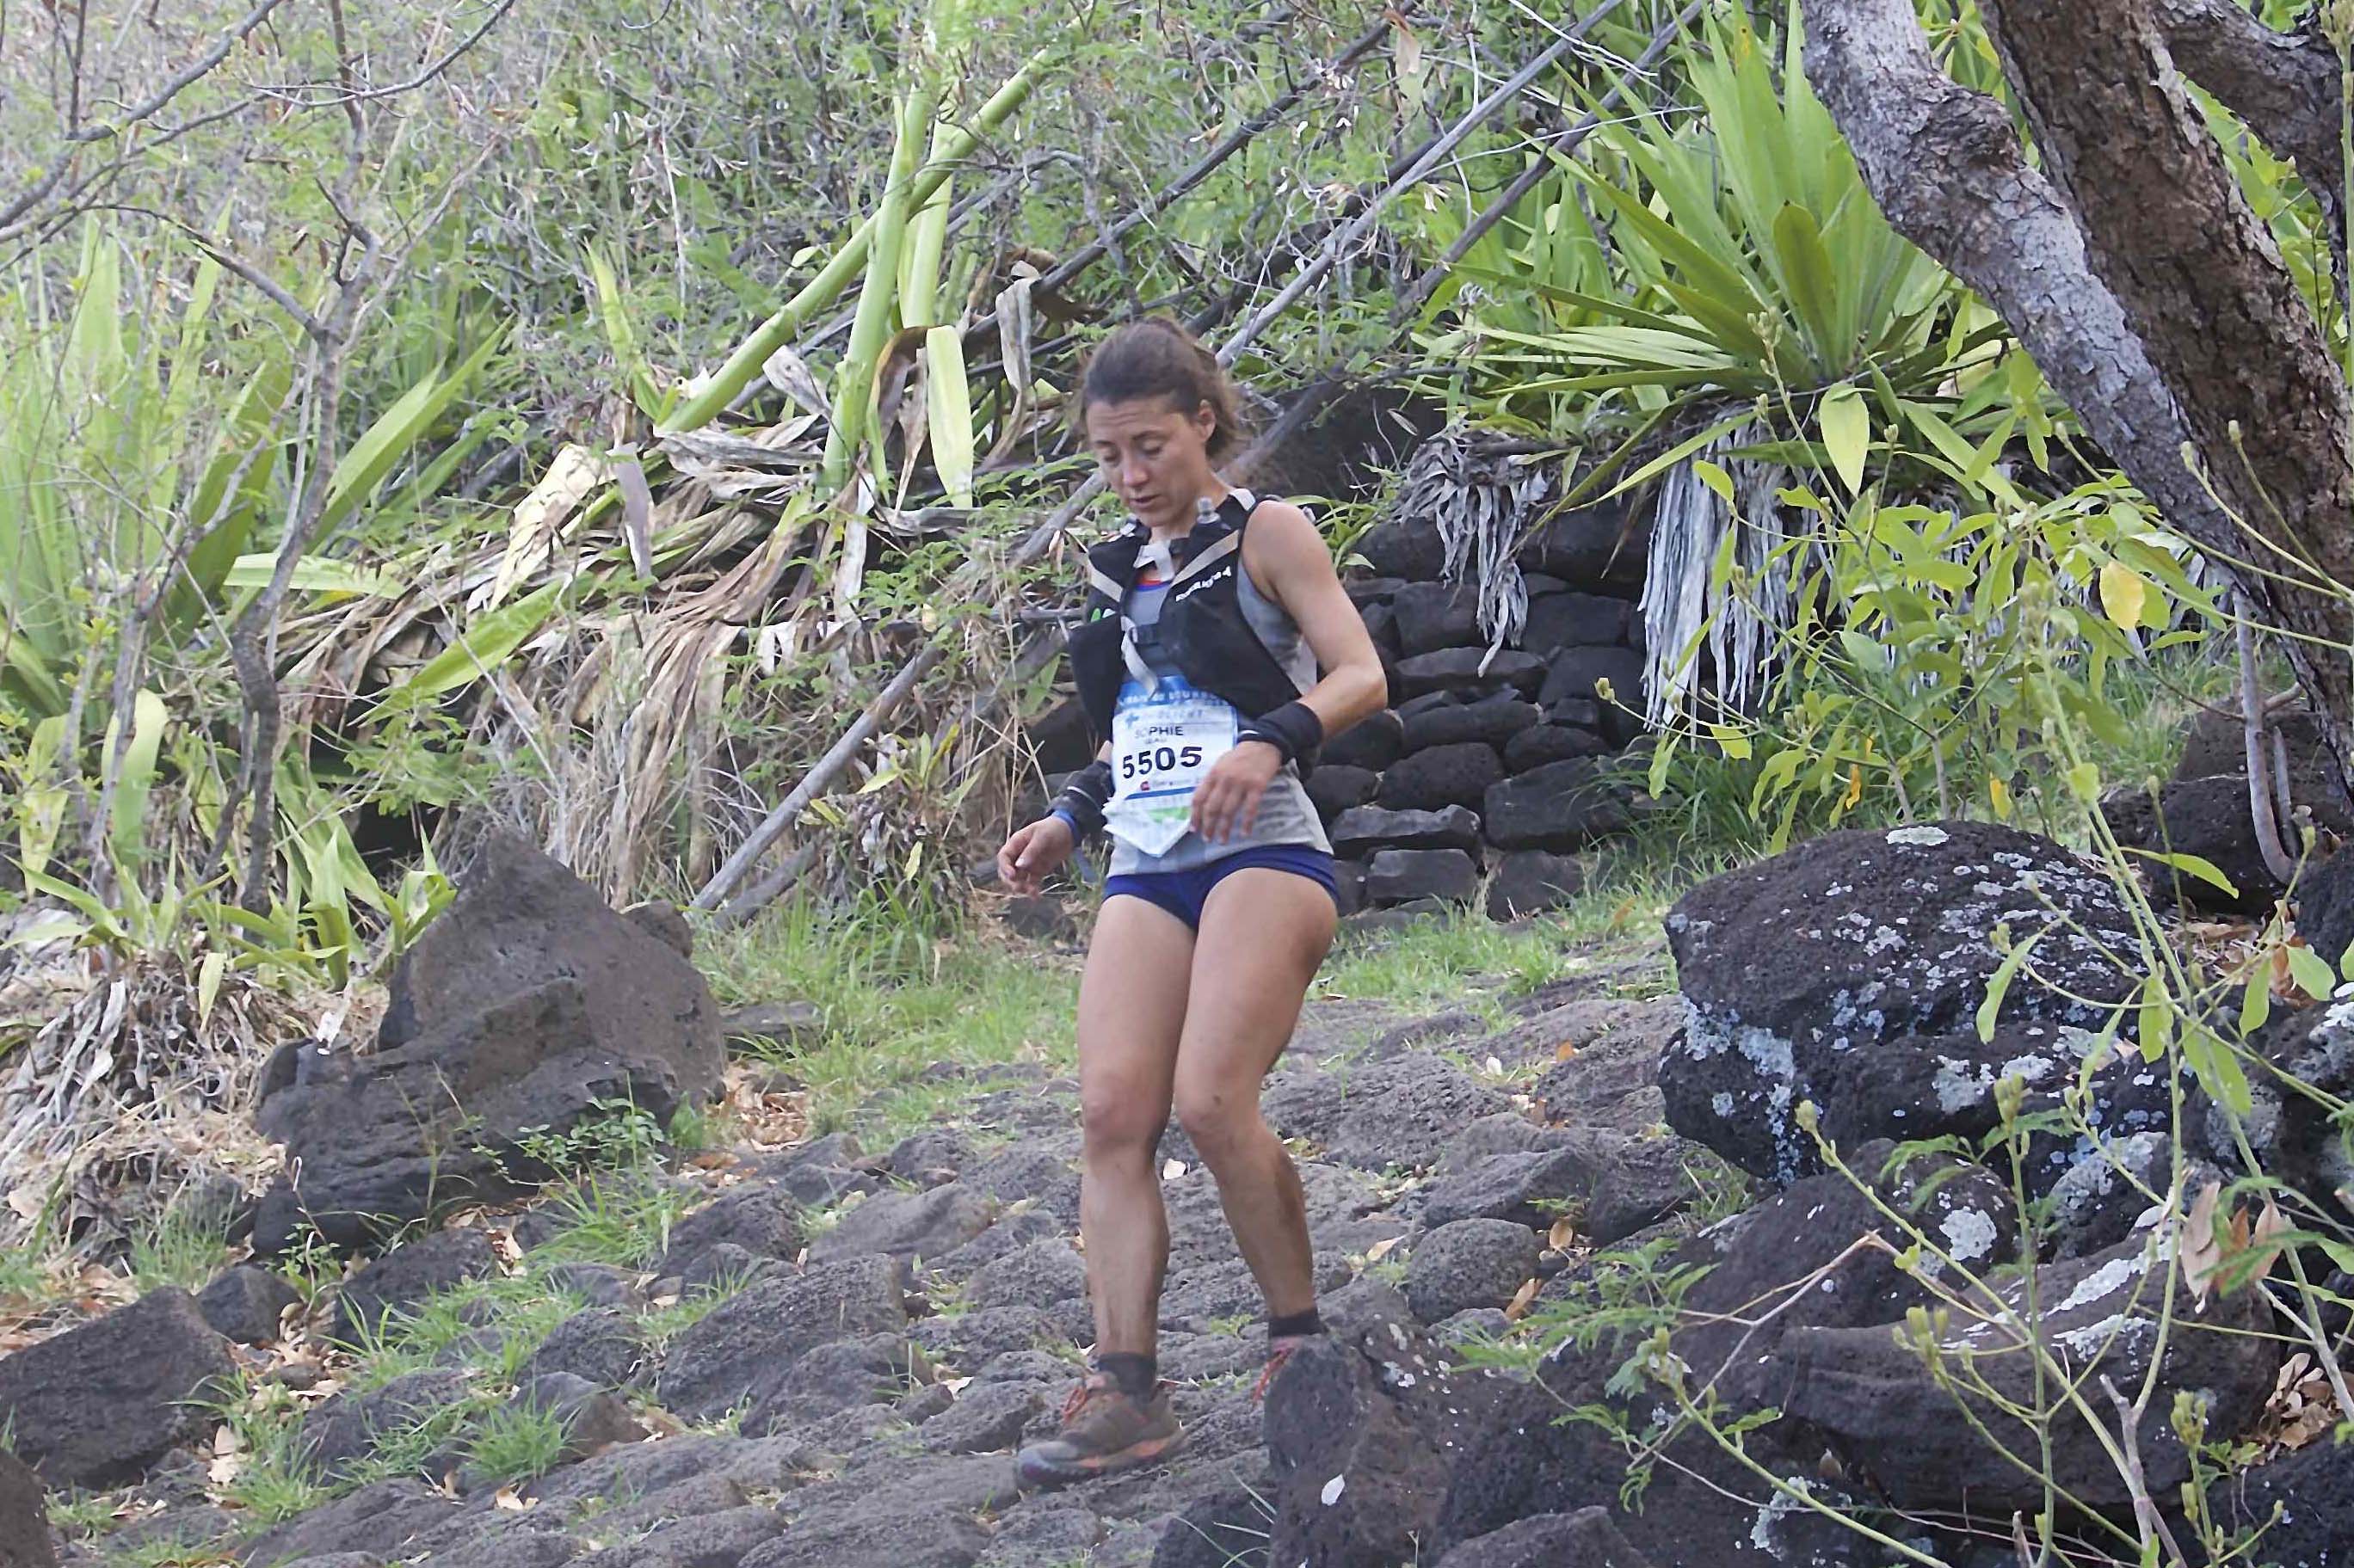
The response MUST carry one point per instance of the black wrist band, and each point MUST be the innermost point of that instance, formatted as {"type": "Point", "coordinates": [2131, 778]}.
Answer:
{"type": "Point", "coordinates": [1292, 729]}
{"type": "Point", "coordinates": [1083, 796]}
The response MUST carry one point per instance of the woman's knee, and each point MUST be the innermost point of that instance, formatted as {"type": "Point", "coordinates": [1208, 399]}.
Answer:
{"type": "Point", "coordinates": [1116, 1125]}
{"type": "Point", "coordinates": [1219, 1120]}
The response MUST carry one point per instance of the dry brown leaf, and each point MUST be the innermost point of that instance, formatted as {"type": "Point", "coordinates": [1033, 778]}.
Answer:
{"type": "Point", "coordinates": [1564, 1051]}
{"type": "Point", "coordinates": [511, 1501]}
{"type": "Point", "coordinates": [2201, 1254]}
{"type": "Point", "coordinates": [1562, 1235]}
{"type": "Point", "coordinates": [1381, 1248]}
{"type": "Point", "coordinates": [1518, 1307]}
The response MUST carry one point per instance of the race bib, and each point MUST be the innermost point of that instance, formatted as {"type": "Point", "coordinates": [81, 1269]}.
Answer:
{"type": "Point", "coordinates": [1163, 744]}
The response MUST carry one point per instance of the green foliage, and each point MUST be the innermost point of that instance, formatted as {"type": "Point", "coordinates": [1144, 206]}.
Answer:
{"type": "Point", "coordinates": [1729, 260]}
{"type": "Point", "coordinates": [516, 1442]}
{"type": "Point", "coordinates": [1924, 644]}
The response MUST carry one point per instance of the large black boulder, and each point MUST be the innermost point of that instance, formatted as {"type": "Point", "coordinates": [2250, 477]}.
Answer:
{"type": "Point", "coordinates": [394, 1286]}
{"type": "Point", "coordinates": [245, 1303]}
{"type": "Point", "coordinates": [1469, 671]}
{"type": "Point", "coordinates": [1588, 1539]}
{"type": "Point", "coordinates": [747, 1345]}
{"type": "Point", "coordinates": [1530, 882]}
{"type": "Point", "coordinates": [1604, 545]}
{"type": "Point", "coordinates": [1396, 876]}
{"type": "Point", "coordinates": [1849, 972]}
{"type": "Point", "coordinates": [1574, 620]}
{"type": "Point", "coordinates": [1444, 776]}
{"type": "Point", "coordinates": [1561, 805]}
{"type": "Point", "coordinates": [1370, 744]}
{"type": "Point", "coordinates": [2303, 1500]}
{"type": "Point", "coordinates": [1897, 1421]}
{"type": "Point", "coordinates": [25, 1539]}
{"type": "Point", "coordinates": [529, 1009]}
{"type": "Point", "coordinates": [1535, 746]}
{"type": "Point", "coordinates": [1335, 788]}
{"type": "Point", "coordinates": [1582, 673]}
{"type": "Point", "coordinates": [1469, 1263]}
{"type": "Point", "coordinates": [95, 1405]}
{"type": "Point", "coordinates": [1495, 720]}
{"type": "Point", "coordinates": [2325, 908]}
{"type": "Point", "coordinates": [1805, 1258]}
{"type": "Point", "coordinates": [1378, 827]}
{"type": "Point", "coordinates": [1435, 615]}
{"type": "Point", "coordinates": [1364, 1429]}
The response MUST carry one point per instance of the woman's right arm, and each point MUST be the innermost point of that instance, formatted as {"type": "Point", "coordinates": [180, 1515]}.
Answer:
{"type": "Point", "coordinates": [1034, 852]}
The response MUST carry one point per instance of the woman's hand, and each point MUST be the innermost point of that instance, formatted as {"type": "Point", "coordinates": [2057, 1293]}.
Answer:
{"type": "Point", "coordinates": [1032, 852]}
{"type": "Point", "coordinates": [1225, 803]}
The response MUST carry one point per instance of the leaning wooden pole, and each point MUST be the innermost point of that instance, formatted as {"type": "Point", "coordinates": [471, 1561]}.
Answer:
{"type": "Point", "coordinates": [1042, 538]}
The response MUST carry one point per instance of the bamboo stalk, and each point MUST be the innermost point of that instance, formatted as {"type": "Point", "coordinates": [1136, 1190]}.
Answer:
{"type": "Point", "coordinates": [853, 379]}
{"type": "Point", "coordinates": [820, 291]}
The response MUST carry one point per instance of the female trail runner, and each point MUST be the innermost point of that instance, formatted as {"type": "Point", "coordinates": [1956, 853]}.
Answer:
{"type": "Point", "coordinates": [1209, 618]}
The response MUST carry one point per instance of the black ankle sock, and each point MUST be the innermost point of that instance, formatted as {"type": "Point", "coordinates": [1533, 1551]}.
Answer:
{"type": "Point", "coordinates": [1135, 1374]}
{"type": "Point", "coordinates": [1294, 1325]}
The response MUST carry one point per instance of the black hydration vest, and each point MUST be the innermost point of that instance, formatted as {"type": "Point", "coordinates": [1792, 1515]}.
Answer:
{"type": "Point", "coordinates": [1202, 629]}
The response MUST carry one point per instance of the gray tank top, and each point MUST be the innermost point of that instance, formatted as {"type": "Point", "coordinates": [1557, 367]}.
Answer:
{"type": "Point", "coordinates": [1286, 815]}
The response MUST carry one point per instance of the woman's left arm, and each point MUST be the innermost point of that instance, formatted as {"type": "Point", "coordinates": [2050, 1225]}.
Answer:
{"type": "Point", "coordinates": [1289, 562]}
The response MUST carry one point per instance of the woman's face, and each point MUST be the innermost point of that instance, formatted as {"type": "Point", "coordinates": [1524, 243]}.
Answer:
{"type": "Point", "coordinates": [1156, 456]}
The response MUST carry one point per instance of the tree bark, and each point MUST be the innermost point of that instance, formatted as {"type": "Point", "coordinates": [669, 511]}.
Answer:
{"type": "Point", "coordinates": [2286, 88]}
{"type": "Point", "coordinates": [2137, 276]}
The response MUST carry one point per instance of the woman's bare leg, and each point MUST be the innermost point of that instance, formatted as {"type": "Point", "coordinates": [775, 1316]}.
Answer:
{"type": "Point", "coordinates": [1264, 933]}
{"type": "Point", "coordinates": [1131, 1012]}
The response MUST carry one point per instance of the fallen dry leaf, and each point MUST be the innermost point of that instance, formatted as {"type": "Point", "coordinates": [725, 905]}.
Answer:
{"type": "Point", "coordinates": [1381, 1248]}
{"type": "Point", "coordinates": [1518, 1307]}
{"type": "Point", "coordinates": [1562, 1235]}
{"type": "Point", "coordinates": [2201, 1255]}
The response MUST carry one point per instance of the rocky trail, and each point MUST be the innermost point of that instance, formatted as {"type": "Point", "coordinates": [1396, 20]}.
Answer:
{"type": "Point", "coordinates": [1594, 1195]}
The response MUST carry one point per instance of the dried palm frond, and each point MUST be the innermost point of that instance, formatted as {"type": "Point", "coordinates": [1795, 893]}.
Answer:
{"type": "Point", "coordinates": [124, 1080]}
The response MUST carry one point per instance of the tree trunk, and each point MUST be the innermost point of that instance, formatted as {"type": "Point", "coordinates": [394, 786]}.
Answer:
{"type": "Point", "coordinates": [2136, 275]}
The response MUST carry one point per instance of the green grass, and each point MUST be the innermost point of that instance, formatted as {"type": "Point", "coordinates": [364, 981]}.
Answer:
{"type": "Point", "coordinates": [1459, 959]}
{"type": "Point", "coordinates": [894, 1003]}
{"type": "Point", "coordinates": [618, 1217]}
{"type": "Point", "coordinates": [516, 1442]}
{"type": "Point", "coordinates": [180, 1246]}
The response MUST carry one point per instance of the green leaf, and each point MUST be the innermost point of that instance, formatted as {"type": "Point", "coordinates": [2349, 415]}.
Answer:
{"type": "Point", "coordinates": [2257, 1000]}
{"type": "Point", "coordinates": [314, 574]}
{"type": "Point", "coordinates": [135, 772]}
{"type": "Point", "coordinates": [208, 982]}
{"type": "Point", "coordinates": [2311, 972]}
{"type": "Point", "coordinates": [1846, 423]}
{"type": "Point", "coordinates": [2204, 870]}
{"type": "Point", "coordinates": [1677, 453]}
{"type": "Point", "coordinates": [409, 419]}
{"type": "Point", "coordinates": [949, 412]}
{"type": "Point", "coordinates": [2217, 1067]}
{"type": "Point", "coordinates": [486, 644]}
{"type": "Point", "coordinates": [1999, 986]}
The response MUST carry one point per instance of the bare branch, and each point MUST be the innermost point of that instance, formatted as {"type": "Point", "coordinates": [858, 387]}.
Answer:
{"type": "Point", "coordinates": [78, 135]}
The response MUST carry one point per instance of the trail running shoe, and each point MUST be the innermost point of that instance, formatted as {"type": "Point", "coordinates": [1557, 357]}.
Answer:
{"type": "Point", "coordinates": [1104, 1431]}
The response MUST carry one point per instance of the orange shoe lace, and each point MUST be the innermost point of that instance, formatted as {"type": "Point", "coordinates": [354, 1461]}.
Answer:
{"type": "Point", "coordinates": [1277, 1355]}
{"type": "Point", "coordinates": [1088, 1387]}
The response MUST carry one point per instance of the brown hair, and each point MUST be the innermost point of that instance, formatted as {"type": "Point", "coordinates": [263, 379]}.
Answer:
{"type": "Point", "coordinates": [1156, 358]}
